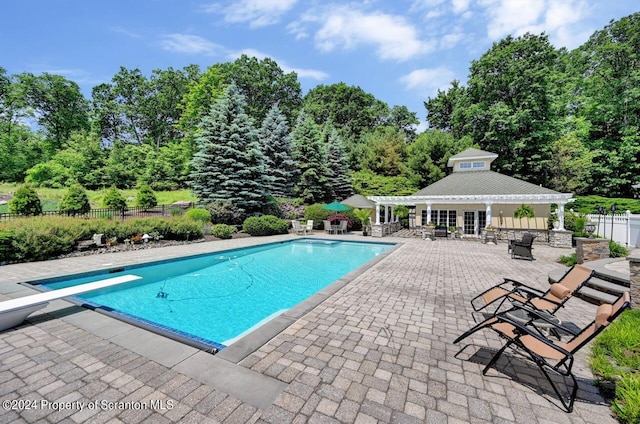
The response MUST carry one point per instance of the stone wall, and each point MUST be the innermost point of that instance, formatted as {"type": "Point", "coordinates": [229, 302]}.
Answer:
{"type": "Point", "coordinates": [634, 279]}
{"type": "Point", "coordinates": [591, 249]}
{"type": "Point", "coordinates": [561, 239]}
{"type": "Point", "coordinates": [377, 231]}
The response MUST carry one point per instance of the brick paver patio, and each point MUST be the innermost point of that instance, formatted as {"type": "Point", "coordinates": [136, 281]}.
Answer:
{"type": "Point", "coordinates": [378, 350]}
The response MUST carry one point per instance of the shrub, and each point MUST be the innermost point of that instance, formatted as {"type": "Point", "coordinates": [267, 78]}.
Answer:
{"type": "Point", "coordinates": [146, 198]}
{"type": "Point", "coordinates": [617, 251]}
{"type": "Point", "coordinates": [114, 199]}
{"type": "Point", "coordinates": [25, 201]}
{"type": "Point", "coordinates": [75, 201]}
{"type": "Point", "coordinates": [265, 225]}
{"type": "Point", "coordinates": [6, 246]}
{"type": "Point", "coordinates": [203, 216]}
{"type": "Point", "coordinates": [223, 231]}
{"type": "Point", "coordinates": [316, 213]}
{"type": "Point", "coordinates": [224, 213]}
{"type": "Point", "coordinates": [289, 208]}
{"type": "Point", "coordinates": [569, 260]}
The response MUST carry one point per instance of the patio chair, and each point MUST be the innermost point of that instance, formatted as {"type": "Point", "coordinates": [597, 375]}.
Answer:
{"type": "Point", "coordinates": [549, 301]}
{"type": "Point", "coordinates": [522, 248]}
{"type": "Point", "coordinates": [297, 228]}
{"type": "Point", "coordinates": [327, 227]}
{"type": "Point", "coordinates": [309, 228]}
{"type": "Point", "coordinates": [548, 355]}
{"type": "Point", "coordinates": [342, 228]}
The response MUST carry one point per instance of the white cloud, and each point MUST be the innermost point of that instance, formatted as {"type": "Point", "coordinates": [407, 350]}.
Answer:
{"type": "Point", "coordinates": [460, 6]}
{"type": "Point", "coordinates": [346, 28]}
{"type": "Point", "coordinates": [427, 81]}
{"type": "Point", "coordinates": [189, 44]}
{"type": "Point", "coordinates": [258, 13]}
{"type": "Point", "coordinates": [559, 19]}
{"type": "Point", "coordinates": [124, 31]}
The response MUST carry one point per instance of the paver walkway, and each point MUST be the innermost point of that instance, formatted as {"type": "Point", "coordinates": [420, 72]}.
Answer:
{"type": "Point", "coordinates": [378, 350]}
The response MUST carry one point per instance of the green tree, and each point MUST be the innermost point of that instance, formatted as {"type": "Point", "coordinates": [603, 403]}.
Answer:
{"type": "Point", "coordinates": [113, 199]}
{"type": "Point", "coordinates": [405, 120]}
{"type": "Point", "coordinates": [309, 153]}
{"type": "Point", "coordinates": [350, 109]}
{"type": "Point", "coordinates": [229, 165]}
{"type": "Point", "coordinates": [571, 165]}
{"type": "Point", "coordinates": [280, 169]}
{"type": "Point", "coordinates": [337, 167]}
{"type": "Point", "coordinates": [146, 198]}
{"type": "Point", "coordinates": [606, 72]}
{"type": "Point", "coordinates": [446, 111]}
{"type": "Point", "coordinates": [427, 157]}
{"type": "Point", "coordinates": [383, 151]}
{"type": "Point", "coordinates": [25, 201]}
{"type": "Point", "coordinates": [264, 84]}
{"type": "Point", "coordinates": [59, 105]}
{"type": "Point", "coordinates": [75, 201]}
{"type": "Point", "coordinates": [510, 99]}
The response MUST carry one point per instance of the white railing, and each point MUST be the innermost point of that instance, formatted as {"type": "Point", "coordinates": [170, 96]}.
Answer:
{"type": "Point", "coordinates": [623, 228]}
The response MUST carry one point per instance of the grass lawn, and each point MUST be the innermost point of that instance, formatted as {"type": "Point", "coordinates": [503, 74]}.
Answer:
{"type": "Point", "coordinates": [615, 359]}
{"type": "Point", "coordinates": [50, 197]}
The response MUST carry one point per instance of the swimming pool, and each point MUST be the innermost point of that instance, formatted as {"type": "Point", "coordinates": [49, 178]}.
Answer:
{"type": "Point", "coordinates": [215, 299]}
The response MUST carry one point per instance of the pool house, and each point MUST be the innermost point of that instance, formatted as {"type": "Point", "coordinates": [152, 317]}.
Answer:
{"type": "Point", "coordinates": [473, 197]}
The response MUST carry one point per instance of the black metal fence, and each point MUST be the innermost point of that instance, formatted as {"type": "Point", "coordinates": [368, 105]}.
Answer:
{"type": "Point", "coordinates": [132, 212]}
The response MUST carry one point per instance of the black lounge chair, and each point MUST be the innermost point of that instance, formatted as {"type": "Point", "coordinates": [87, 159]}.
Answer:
{"type": "Point", "coordinates": [548, 355]}
{"type": "Point", "coordinates": [522, 248]}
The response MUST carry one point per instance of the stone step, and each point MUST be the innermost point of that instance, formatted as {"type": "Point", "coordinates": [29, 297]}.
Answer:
{"type": "Point", "coordinates": [595, 296]}
{"type": "Point", "coordinates": [606, 286]}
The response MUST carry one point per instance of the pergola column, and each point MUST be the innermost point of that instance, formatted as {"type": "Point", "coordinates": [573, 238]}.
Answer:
{"type": "Point", "coordinates": [386, 214]}
{"type": "Point", "coordinates": [377, 213]}
{"type": "Point", "coordinates": [488, 215]}
{"type": "Point", "coordinates": [428, 214]}
{"type": "Point", "coordinates": [392, 213]}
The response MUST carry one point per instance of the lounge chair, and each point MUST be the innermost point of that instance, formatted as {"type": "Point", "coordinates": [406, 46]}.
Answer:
{"type": "Point", "coordinates": [545, 353]}
{"type": "Point", "coordinates": [522, 248]}
{"type": "Point", "coordinates": [309, 228]}
{"type": "Point", "coordinates": [297, 228]}
{"type": "Point", "coordinates": [327, 227]}
{"type": "Point", "coordinates": [549, 301]}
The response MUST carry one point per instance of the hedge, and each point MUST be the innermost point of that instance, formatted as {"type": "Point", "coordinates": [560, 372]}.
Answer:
{"type": "Point", "coordinates": [42, 238]}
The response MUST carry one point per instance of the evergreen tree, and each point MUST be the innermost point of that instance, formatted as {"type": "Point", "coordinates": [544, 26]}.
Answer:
{"type": "Point", "coordinates": [75, 201]}
{"type": "Point", "coordinates": [114, 199]}
{"type": "Point", "coordinates": [146, 198]}
{"type": "Point", "coordinates": [309, 153]}
{"type": "Point", "coordinates": [229, 165]}
{"type": "Point", "coordinates": [276, 147]}
{"type": "Point", "coordinates": [25, 201]}
{"type": "Point", "coordinates": [337, 167]}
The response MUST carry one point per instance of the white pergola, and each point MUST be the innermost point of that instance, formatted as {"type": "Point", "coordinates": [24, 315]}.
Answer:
{"type": "Point", "coordinates": [389, 202]}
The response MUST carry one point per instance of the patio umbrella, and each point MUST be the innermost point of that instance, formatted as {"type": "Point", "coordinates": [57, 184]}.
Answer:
{"type": "Point", "coordinates": [359, 201]}
{"type": "Point", "coordinates": [336, 206]}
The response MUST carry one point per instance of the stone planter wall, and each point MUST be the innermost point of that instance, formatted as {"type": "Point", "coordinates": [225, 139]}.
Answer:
{"type": "Point", "coordinates": [591, 249]}
{"type": "Point", "coordinates": [561, 239]}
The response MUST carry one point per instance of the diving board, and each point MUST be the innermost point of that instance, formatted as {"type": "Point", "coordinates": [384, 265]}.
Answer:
{"type": "Point", "coordinates": [13, 312]}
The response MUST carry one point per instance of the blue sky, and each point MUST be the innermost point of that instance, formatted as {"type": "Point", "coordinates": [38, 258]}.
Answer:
{"type": "Point", "coordinates": [401, 51]}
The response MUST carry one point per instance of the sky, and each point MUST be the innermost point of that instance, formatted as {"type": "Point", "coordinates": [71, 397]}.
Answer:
{"type": "Point", "coordinates": [401, 51]}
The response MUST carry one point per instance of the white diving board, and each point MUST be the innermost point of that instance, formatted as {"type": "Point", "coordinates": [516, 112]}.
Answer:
{"type": "Point", "coordinates": [13, 312]}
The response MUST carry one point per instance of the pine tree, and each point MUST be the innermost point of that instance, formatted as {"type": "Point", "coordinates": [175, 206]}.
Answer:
{"type": "Point", "coordinates": [229, 165]}
{"type": "Point", "coordinates": [337, 167]}
{"type": "Point", "coordinates": [313, 185]}
{"type": "Point", "coordinates": [276, 146]}
{"type": "Point", "coordinates": [75, 201]}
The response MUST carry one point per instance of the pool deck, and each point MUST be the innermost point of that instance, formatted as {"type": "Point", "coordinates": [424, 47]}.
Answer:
{"type": "Point", "coordinates": [375, 347]}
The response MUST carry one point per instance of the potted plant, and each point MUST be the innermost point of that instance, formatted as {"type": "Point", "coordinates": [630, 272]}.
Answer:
{"type": "Point", "coordinates": [364, 215]}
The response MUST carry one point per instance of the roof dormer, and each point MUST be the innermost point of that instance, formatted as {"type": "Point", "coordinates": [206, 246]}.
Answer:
{"type": "Point", "coordinates": [472, 160]}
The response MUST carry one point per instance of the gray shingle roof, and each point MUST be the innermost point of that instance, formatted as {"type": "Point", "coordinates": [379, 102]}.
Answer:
{"type": "Point", "coordinates": [481, 183]}
{"type": "Point", "coordinates": [474, 153]}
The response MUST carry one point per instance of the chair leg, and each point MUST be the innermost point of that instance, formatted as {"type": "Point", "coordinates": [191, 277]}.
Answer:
{"type": "Point", "coordinates": [495, 357]}
{"type": "Point", "coordinates": [568, 404]}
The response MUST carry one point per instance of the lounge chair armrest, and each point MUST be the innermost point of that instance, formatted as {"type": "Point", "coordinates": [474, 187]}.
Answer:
{"type": "Point", "coordinates": [536, 314]}
{"type": "Point", "coordinates": [530, 292]}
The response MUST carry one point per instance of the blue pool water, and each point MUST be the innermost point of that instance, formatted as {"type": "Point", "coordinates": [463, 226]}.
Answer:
{"type": "Point", "coordinates": [217, 297]}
